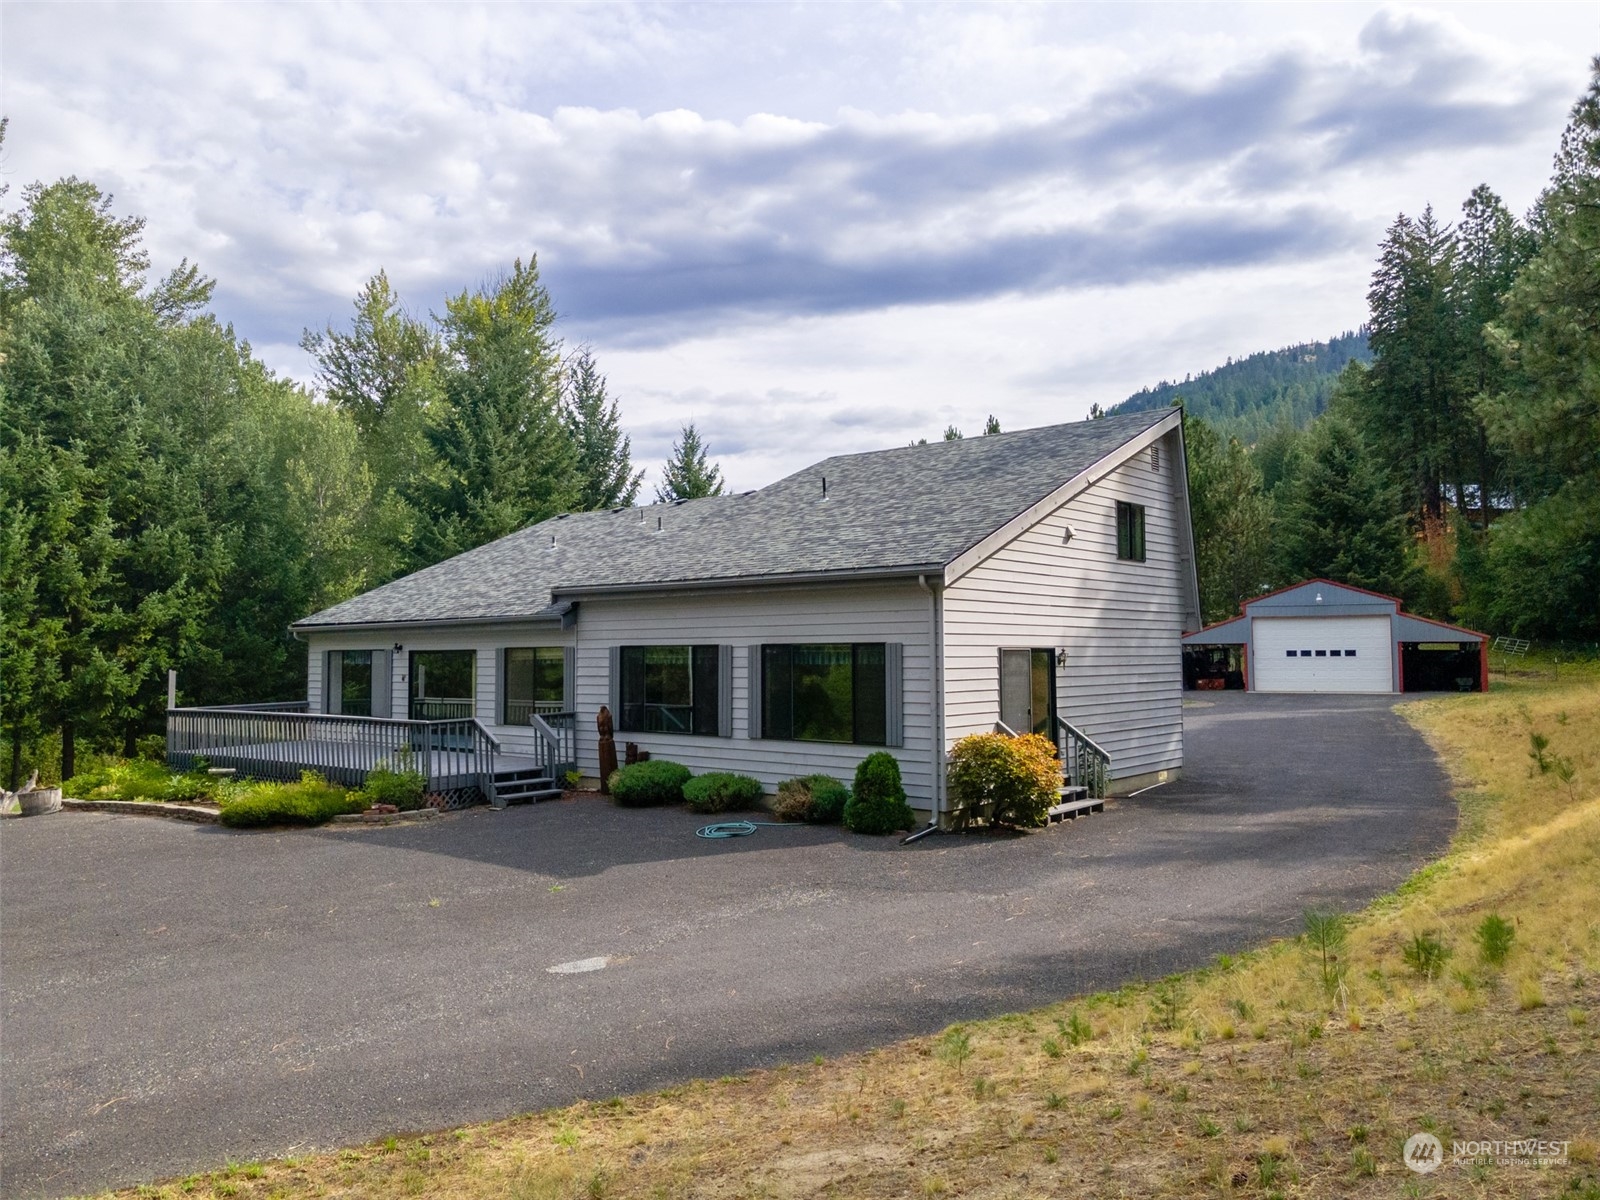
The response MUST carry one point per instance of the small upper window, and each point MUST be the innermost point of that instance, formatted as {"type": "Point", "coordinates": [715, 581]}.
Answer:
{"type": "Point", "coordinates": [1333, 654]}
{"type": "Point", "coordinates": [1155, 458]}
{"type": "Point", "coordinates": [1290, 653]}
{"type": "Point", "coordinates": [1130, 531]}
{"type": "Point", "coordinates": [1349, 653]}
{"type": "Point", "coordinates": [1322, 654]}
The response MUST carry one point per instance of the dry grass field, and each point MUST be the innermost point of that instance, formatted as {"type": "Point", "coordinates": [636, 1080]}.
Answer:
{"type": "Point", "coordinates": [1297, 1069]}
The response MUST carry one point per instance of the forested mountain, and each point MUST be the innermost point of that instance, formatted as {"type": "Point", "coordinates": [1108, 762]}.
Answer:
{"type": "Point", "coordinates": [1246, 397]}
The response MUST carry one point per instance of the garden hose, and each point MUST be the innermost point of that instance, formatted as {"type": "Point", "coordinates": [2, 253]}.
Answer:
{"type": "Point", "coordinates": [733, 829]}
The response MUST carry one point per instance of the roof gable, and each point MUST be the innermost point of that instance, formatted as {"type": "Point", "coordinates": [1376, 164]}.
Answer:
{"type": "Point", "coordinates": [1321, 597]}
{"type": "Point", "coordinates": [905, 510]}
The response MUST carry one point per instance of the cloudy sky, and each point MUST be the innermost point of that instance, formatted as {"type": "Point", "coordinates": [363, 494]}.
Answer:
{"type": "Point", "coordinates": [810, 229]}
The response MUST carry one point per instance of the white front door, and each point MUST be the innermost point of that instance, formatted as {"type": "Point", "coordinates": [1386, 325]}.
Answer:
{"type": "Point", "coordinates": [1321, 654]}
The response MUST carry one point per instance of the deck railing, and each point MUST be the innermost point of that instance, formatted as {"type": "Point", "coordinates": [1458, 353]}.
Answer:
{"type": "Point", "coordinates": [1086, 762]}
{"type": "Point", "coordinates": [558, 742]}
{"type": "Point", "coordinates": [520, 712]}
{"type": "Point", "coordinates": [279, 741]}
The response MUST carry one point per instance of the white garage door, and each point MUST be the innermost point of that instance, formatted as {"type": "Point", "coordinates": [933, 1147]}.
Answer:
{"type": "Point", "coordinates": [1321, 654]}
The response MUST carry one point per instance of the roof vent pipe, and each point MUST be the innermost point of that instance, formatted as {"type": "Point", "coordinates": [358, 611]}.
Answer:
{"type": "Point", "coordinates": [658, 525]}
{"type": "Point", "coordinates": [824, 487]}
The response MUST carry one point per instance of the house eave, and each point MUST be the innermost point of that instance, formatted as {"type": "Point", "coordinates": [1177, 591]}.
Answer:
{"type": "Point", "coordinates": [300, 628]}
{"type": "Point", "coordinates": [933, 571]}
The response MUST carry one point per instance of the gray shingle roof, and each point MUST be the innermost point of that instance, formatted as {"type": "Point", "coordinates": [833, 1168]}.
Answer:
{"type": "Point", "coordinates": [887, 510]}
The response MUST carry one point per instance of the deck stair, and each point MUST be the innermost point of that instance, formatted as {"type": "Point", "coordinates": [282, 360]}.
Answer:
{"type": "Point", "coordinates": [1073, 800]}
{"type": "Point", "coordinates": [523, 783]}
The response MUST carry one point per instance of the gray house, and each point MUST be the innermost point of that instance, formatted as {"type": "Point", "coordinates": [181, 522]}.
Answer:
{"type": "Point", "coordinates": [899, 599]}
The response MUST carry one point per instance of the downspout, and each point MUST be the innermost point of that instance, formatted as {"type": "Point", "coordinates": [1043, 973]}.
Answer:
{"type": "Point", "coordinates": [936, 672]}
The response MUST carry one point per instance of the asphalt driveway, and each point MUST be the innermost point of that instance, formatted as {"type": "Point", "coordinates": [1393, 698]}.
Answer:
{"type": "Point", "coordinates": [176, 996]}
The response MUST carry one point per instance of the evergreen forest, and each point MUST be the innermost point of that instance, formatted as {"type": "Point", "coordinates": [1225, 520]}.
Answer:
{"type": "Point", "coordinates": [171, 503]}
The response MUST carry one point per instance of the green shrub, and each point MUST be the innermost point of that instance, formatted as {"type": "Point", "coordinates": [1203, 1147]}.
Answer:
{"type": "Point", "coordinates": [828, 800]}
{"type": "Point", "coordinates": [385, 785]}
{"type": "Point", "coordinates": [140, 779]}
{"type": "Point", "coordinates": [311, 801]}
{"type": "Point", "coordinates": [722, 791]}
{"type": "Point", "coordinates": [878, 804]}
{"type": "Point", "coordinates": [1015, 779]}
{"type": "Point", "coordinates": [1426, 953]}
{"type": "Point", "coordinates": [1494, 937]}
{"type": "Point", "coordinates": [655, 781]}
{"type": "Point", "coordinates": [819, 799]}
{"type": "Point", "coordinates": [793, 801]}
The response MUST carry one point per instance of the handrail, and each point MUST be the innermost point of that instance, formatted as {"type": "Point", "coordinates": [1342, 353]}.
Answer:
{"type": "Point", "coordinates": [261, 706]}
{"type": "Point", "coordinates": [1088, 764]}
{"type": "Point", "coordinates": [1083, 737]}
{"type": "Point", "coordinates": [558, 738]}
{"type": "Point", "coordinates": [1002, 727]}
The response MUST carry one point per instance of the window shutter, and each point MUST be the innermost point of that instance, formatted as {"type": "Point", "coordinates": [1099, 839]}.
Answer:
{"type": "Point", "coordinates": [332, 680]}
{"type": "Point", "coordinates": [569, 679]}
{"type": "Point", "coordinates": [499, 714]}
{"type": "Point", "coordinates": [753, 694]}
{"type": "Point", "coordinates": [894, 723]}
{"type": "Point", "coordinates": [724, 691]}
{"type": "Point", "coordinates": [614, 689]}
{"type": "Point", "coordinates": [382, 683]}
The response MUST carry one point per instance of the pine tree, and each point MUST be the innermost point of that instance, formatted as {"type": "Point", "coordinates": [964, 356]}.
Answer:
{"type": "Point", "coordinates": [992, 425]}
{"type": "Point", "coordinates": [1338, 516]}
{"type": "Point", "coordinates": [687, 475]}
{"type": "Point", "coordinates": [604, 452]}
{"type": "Point", "coordinates": [1493, 248]}
{"type": "Point", "coordinates": [952, 434]}
{"type": "Point", "coordinates": [1541, 565]}
{"type": "Point", "coordinates": [504, 460]}
{"type": "Point", "coordinates": [387, 373]}
{"type": "Point", "coordinates": [1232, 520]}
{"type": "Point", "coordinates": [1412, 402]}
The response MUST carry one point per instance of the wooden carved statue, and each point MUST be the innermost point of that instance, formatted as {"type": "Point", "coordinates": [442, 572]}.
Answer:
{"type": "Point", "coordinates": [608, 748]}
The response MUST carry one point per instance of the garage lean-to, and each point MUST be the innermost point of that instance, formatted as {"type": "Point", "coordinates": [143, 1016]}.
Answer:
{"type": "Point", "coordinates": [1322, 636]}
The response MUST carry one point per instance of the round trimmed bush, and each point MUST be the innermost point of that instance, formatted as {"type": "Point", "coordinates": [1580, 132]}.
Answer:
{"type": "Point", "coordinates": [1014, 778]}
{"type": "Point", "coordinates": [828, 800]}
{"type": "Point", "coordinates": [819, 799]}
{"type": "Point", "coordinates": [722, 791]}
{"type": "Point", "coordinates": [654, 781]}
{"type": "Point", "coordinates": [878, 804]}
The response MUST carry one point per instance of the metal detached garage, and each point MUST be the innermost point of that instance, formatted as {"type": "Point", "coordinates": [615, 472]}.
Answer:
{"type": "Point", "coordinates": [1321, 636]}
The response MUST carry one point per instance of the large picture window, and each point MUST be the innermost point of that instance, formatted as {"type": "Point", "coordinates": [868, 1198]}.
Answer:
{"type": "Point", "coordinates": [825, 693]}
{"type": "Point", "coordinates": [669, 689]}
{"type": "Point", "coordinates": [535, 683]}
{"type": "Point", "coordinates": [1130, 531]}
{"type": "Point", "coordinates": [443, 684]}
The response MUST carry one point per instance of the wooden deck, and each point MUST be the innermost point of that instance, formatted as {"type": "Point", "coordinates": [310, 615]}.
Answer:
{"type": "Point", "coordinates": [342, 763]}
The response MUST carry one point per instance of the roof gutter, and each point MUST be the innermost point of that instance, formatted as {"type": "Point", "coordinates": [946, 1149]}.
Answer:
{"type": "Point", "coordinates": [929, 570]}
{"type": "Point", "coordinates": [300, 627]}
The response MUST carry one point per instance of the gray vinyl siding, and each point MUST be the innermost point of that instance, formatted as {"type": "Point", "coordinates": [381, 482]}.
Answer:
{"type": "Point", "coordinates": [1121, 623]}
{"type": "Point", "coordinates": [488, 641]}
{"type": "Point", "coordinates": [892, 613]}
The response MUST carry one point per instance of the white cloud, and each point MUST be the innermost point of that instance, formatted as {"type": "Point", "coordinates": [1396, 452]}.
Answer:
{"type": "Point", "coordinates": [783, 218]}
